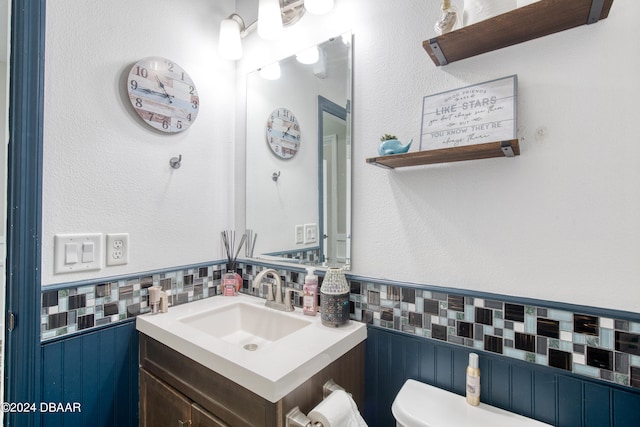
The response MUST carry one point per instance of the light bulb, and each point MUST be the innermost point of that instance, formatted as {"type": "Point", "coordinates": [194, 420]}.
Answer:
{"type": "Point", "coordinates": [229, 43]}
{"type": "Point", "coordinates": [269, 19]}
{"type": "Point", "coordinates": [318, 7]}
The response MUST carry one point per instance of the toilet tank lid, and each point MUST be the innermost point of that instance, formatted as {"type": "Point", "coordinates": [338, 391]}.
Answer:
{"type": "Point", "coordinates": [421, 405]}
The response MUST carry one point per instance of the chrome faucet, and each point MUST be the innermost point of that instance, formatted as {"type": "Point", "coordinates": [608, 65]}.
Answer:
{"type": "Point", "coordinates": [273, 301]}
{"type": "Point", "coordinates": [288, 305]}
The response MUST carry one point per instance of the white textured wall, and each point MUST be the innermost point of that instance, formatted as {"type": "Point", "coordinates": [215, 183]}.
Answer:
{"type": "Point", "coordinates": [106, 171]}
{"type": "Point", "coordinates": [561, 222]}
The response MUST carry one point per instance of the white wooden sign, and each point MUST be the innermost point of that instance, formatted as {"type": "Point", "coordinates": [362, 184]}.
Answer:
{"type": "Point", "coordinates": [475, 114]}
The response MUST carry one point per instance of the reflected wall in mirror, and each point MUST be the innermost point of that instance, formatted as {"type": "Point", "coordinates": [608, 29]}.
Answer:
{"type": "Point", "coordinates": [300, 207]}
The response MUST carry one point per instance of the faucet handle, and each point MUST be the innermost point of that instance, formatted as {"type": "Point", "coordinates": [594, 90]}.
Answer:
{"type": "Point", "coordinates": [287, 297]}
{"type": "Point", "coordinates": [269, 295]}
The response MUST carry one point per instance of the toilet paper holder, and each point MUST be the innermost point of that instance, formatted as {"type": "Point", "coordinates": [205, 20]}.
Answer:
{"type": "Point", "coordinates": [296, 418]}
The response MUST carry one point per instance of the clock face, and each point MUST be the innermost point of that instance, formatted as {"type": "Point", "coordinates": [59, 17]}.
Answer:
{"type": "Point", "coordinates": [283, 133]}
{"type": "Point", "coordinates": [163, 94]}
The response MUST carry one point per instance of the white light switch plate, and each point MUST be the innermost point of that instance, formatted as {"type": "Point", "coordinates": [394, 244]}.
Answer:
{"type": "Point", "coordinates": [299, 234]}
{"type": "Point", "coordinates": [77, 252]}
{"type": "Point", "coordinates": [310, 233]}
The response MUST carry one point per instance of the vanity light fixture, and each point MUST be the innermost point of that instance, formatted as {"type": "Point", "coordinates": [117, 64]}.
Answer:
{"type": "Point", "coordinates": [273, 15]}
{"type": "Point", "coordinates": [269, 19]}
{"type": "Point", "coordinates": [229, 43]}
{"type": "Point", "coordinates": [318, 7]}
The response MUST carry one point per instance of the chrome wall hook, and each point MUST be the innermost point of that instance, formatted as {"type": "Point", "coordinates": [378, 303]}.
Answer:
{"type": "Point", "coordinates": [176, 162]}
{"type": "Point", "coordinates": [275, 176]}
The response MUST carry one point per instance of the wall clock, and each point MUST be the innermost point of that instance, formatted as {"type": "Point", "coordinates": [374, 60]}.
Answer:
{"type": "Point", "coordinates": [163, 94]}
{"type": "Point", "coordinates": [283, 133]}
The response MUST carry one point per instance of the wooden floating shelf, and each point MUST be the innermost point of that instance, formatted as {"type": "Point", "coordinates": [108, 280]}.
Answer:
{"type": "Point", "coordinates": [529, 22]}
{"type": "Point", "coordinates": [489, 150]}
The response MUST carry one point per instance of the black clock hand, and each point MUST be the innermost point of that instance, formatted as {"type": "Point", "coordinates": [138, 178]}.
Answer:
{"type": "Point", "coordinates": [286, 132]}
{"type": "Point", "coordinates": [143, 89]}
{"type": "Point", "coordinates": [164, 90]}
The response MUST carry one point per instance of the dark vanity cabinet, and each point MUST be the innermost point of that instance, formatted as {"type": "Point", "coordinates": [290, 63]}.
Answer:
{"type": "Point", "coordinates": [162, 405]}
{"type": "Point", "coordinates": [177, 391]}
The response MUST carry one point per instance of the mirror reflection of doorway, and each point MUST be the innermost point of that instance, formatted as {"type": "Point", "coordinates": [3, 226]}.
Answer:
{"type": "Point", "coordinates": [335, 157]}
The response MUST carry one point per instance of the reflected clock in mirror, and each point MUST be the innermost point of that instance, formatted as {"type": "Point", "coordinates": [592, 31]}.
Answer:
{"type": "Point", "coordinates": [283, 133]}
{"type": "Point", "coordinates": [305, 215]}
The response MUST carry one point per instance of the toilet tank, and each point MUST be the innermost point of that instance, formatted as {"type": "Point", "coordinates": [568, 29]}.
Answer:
{"type": "Point", "coordinates": [421, 405]}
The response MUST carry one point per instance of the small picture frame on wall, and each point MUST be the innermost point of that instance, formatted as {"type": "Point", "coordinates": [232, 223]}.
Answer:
{"type": "Point", "coordinates": [476, 114]}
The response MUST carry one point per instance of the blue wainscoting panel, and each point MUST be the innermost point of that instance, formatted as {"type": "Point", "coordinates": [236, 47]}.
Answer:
{"type": "Point", "coordinates": [597, 405]}
{"type": "Point", "coordinates": [544, 396]}
{"type": "Point", "coordinates": [522, 391]}
{"type": "Point", "coordinates": [98, 370]}
{"type": "Point", "coordinates": [626, 409]}
{"type": "Point", "coordinates": [547, 394]}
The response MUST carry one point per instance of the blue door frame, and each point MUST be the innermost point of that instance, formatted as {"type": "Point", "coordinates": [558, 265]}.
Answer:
{"type": "Point", "coordinates": [24, 201]}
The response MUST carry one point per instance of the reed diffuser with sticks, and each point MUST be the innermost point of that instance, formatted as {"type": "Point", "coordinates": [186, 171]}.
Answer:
{"type": "Point", "coordinates": [231, 280]}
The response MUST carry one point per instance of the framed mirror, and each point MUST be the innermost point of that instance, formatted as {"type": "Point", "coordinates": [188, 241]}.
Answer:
{"type": "Point", "coordinates": [300, 206]}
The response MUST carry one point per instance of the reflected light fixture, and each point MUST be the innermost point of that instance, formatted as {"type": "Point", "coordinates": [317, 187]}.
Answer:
{"type": "Point", "coordinates": [270, 72]}
{"type": "Point", "coordinates": [308, 56]}
{"type": "Point", "coordinates": [273, 15]}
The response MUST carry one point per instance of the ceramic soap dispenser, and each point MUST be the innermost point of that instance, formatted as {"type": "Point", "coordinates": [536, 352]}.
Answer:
{"type": "Point", "coordinates": [334, 298]}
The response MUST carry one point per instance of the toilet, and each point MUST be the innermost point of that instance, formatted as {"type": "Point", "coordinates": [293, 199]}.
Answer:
{"type": "Point", "coordinates": [421, 405]}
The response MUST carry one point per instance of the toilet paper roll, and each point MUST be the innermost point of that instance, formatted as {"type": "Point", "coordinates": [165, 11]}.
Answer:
{"type": "Point", "coordinates": [337, 410]}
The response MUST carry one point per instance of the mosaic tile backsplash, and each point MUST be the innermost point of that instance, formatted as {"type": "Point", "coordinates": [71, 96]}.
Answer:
{"type": "Point", "coordinates": [594, 346]}
{"type": "Point", "coordinates": [68, 310]}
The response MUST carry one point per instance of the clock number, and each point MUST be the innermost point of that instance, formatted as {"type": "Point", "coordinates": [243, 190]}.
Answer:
{"type": "Point", "coordinates": [183, 76]}
{"type": "Point", "coordinates": [189, 116]}
{"type": "Point", "coordinates": [142, 72]}
{"type": "Point", "coordinates": [134, 85]}
{"type": "Point", "coordinates": [170, 66]}
{"type": "Point", "coordinates": [150, 117]}
{"type": "Point", "coordinates": [139, 102]}
{"type": "Point", "coordinates": [191, 89]}
{"type": "Point", "coordinates": [194, 103]}
{"type": "Point", "coordinates": [179, 124]}
{"type": "Point", "coordinates": [165, 124]}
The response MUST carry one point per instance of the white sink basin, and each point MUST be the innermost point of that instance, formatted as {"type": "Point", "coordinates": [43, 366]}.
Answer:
{"type": "Point", "coordinates": [248, 325]}
{"type": "Point", "coordinates": [266, 351]}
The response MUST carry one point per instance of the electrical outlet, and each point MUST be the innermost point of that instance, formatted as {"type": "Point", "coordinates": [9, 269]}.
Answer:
{"type": "Point", "coordinates": [310, 233]}
{"type": "Point", "coordinates": [299, 234]}
{"type": "Point", "coordinates": [117, 249]}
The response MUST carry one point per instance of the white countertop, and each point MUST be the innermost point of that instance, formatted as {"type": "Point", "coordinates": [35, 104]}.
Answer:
{"type": "Point", "coordinates": [271, 372]}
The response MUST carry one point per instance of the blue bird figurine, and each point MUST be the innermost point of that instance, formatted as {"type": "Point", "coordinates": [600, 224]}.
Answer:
{"type": "Point", "coordinates": [393, 146]}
